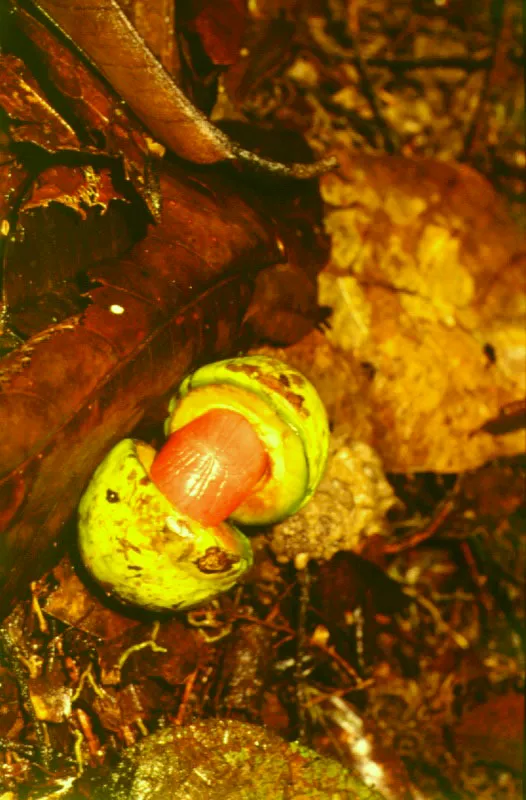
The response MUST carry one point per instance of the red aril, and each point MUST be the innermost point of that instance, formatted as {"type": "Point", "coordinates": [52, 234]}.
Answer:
{"type": "Point", "coordinates": [208, 467]}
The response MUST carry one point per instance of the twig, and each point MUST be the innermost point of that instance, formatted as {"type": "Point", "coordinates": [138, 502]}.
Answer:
{"type": "Point", "coordinates": [322, 696]}
{"type": "Point", "coordinates": [410, 64]}
{"type": "Point", "coordinates": [367, 88]}
{"type": "Point", "coordinates": [421, 536]}
{"type": "Point", "coordinates": [497, 13]}
{"type": "Point", "coordinates": [266, 624]}
{"type": "Point", "coordinates": [188, 688]}
{"type": "Point", "coordinates": [346, 667]}
{"type": "Point", "coordinates": [151, 643]}
{"type": "Point", "coordinates": [458, 638]}
{"type": "Point", "coordinates": [304, 580]}
{"type": "Point", "coordinates": [12, 656]}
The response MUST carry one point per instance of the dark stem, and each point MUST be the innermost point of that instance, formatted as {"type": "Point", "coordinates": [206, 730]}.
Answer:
{"type": "Point", "coordinates": [11, 655]}
{"type": "Point", "coordinates": [304, 580]}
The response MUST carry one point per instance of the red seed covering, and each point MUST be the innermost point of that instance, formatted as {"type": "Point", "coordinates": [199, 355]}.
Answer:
{"type": "Point", "coordinates": [208, 467]}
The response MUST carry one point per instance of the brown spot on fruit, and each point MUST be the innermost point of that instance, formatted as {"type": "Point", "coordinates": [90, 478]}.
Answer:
{"type": "Point", "coordinates": [275, 383]}
{"type": "Point", "coordinates": [127, 545]}
{"type": "Point", "coordinates": [216, 560]}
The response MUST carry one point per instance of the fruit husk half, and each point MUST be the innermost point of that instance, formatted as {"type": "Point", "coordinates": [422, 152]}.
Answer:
{"type": "Point", "coordinates": [288, 416]}
{"type": "Point", "coordinates": [145, 552]}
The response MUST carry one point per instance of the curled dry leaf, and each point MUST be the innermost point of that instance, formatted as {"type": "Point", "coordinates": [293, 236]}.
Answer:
{"type": "Point", "coordinates": [102, 30]}
{"type": "Point", "coordinates": [426, 287]}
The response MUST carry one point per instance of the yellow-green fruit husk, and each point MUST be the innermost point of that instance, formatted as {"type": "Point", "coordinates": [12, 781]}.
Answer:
{"type": "Point", "coordinates": [145, 552]}
{"type": "Point", "coordinates": [288, 416]}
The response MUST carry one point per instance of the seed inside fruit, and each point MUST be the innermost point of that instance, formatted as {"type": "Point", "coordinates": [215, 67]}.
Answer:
{"type": "Point", "coordinates": [210, 466]}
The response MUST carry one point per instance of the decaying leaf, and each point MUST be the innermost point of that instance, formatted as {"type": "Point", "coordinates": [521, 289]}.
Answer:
{"type": "Point", "coordinates": [426, 283]}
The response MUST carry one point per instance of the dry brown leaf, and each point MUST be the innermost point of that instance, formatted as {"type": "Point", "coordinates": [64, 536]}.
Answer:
{"type": "Point", "coordinates": [426, 284]}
